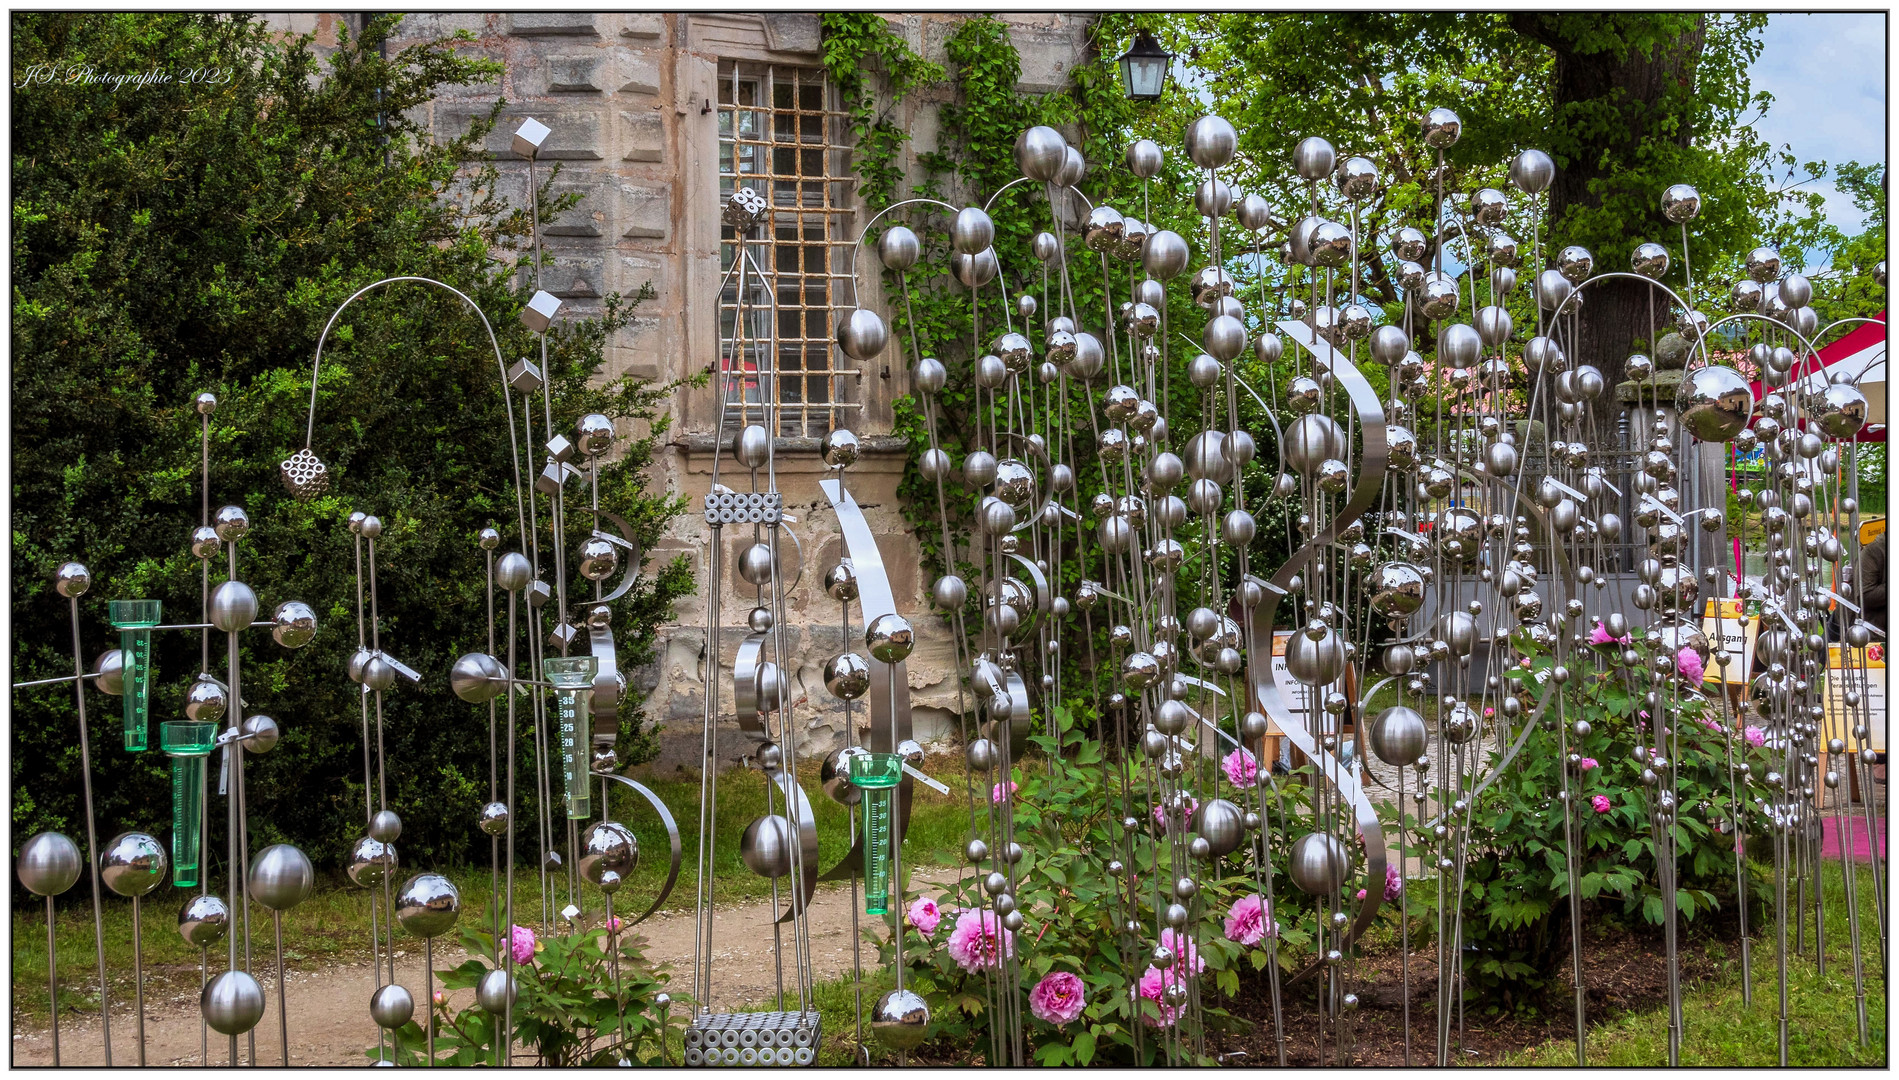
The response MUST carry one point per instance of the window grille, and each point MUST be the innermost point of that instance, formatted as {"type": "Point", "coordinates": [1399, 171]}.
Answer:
{"type": "Point", "coordinates": [781, 134]}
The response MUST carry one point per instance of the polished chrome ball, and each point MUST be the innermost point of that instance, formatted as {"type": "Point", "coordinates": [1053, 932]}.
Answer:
{"type": "Point", "coordinates": [1649, 260]}
{"type": "Point", "coordinates": [372, 861]}
{"type": "Point", "coordinates": [1840, 410]}
{"type": "Point", "coordinates": [1320, 863]}
{"type": "Point", "coordinates": [1680, 203]}
{"type": "Point", "coordinates": [49, 864]}
{"type": "Point", "coordinates": [834, 776]}
{"type": "Point", "coordinates": [1441, 128]}
{"type": "Point", "coordinates": [232, 1003]}
{"type": "Point", "coordinates": [494, 818]}
{"type": "Point", "coordinates": [765, 846]}
{"type": "Point", "coordinates": [900, 1020]}
{"type": "Point", "coordinates": [847, 676]}
{"type": "Point", "coordinates": [1715, 403]}
{"type": "Point", "coordinates": [1489, 206]}
{"type": "Point", "coordinates": [1396, 589]}
{"type": "Point", "coordinates": [839, 448]}
{"type": "Point", "coordinates": [1532, 172]}
{"type": "Point", "coordinates": [427, 905]}
{"type": "Point", "coordinates": [203, 921]}
{"type": "Point", "coordinates": [133, 864]}
{"type": "Point", "coordinates": [608, 846]}
{"type": "Point", "coordinates": [1357, 178]}
{"type": "Point", "coordinates": [293, 624]}
{"type": "Point", "coordinates": [889, 638]}
{"type": "Point", "coordinates": [1313, 158]}
{"type": "Point", "coordinates": [391, 1006]}
{"type": "Point", "coordinates": [281, 877]}
{"type": "Point", "coordinates": [861, 333]}
{"type": "Point", "coordinates": [598, 558]}
{"type": "Point", "coordinates": [231, 523]}
{"type": "Point", "coordinates": [1211, 142]}
{"type": "Point", "coordinates": [1398, 736]}
{"type": "Point", "coordinates": [233, 606]}
{"type": "Point", "coordinates": [205, 543]}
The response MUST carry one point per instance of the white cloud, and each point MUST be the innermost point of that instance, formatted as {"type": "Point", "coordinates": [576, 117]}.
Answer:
{"type": "Point", "coordinates": [1827, 74]}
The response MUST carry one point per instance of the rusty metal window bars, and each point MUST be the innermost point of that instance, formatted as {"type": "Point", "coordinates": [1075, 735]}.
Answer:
{"type": "Point", "coordinates": [781, 134]}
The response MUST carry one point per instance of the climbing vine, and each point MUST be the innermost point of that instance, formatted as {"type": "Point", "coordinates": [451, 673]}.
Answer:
{"type": "Point", "coordinates": [851, 40]}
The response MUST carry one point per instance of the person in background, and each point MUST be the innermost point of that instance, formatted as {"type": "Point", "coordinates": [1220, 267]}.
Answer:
{"type": "Point", "coordinates": [1872, 582]}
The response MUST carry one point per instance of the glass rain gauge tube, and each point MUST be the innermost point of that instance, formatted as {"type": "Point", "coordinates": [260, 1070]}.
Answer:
{"type": "Point", "coordinates": [188, 742]}
{"type": "Point", "coordinates": [877, 774]}
{"type": "Point", "coordinates": [134, 620]}
{"type": "Point", "coordinates": [572, 679]}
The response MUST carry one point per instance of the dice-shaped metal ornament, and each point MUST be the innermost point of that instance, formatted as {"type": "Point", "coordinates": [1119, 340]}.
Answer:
{"type": "Point", "coordinates": [304, 475]}
{"type": "Point", "coordinates": [745, 209]}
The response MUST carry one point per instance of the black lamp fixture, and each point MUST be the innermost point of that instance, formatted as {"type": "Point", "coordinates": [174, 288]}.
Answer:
{"type": "Point", "coordinates": [1144, 68]}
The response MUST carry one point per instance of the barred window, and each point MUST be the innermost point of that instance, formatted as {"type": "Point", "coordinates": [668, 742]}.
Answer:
{"type": "Point", "coordinates": [781, 134]}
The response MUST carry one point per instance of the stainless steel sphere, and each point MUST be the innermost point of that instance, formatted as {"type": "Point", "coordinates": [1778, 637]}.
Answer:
{"type": "Point", "coordinates": [386, 826]}
{"type": "Point", "coordinates": [593, 435]}
{"type": "Point", "coordinates": [840, 448]}
{"type": "Point", "coordinates": [1039, 153]}
{"type": "Point", "coordinates": [1715, 403]}
{"type": "Point", "coordinates": [1489, 206]}
{"type": "Point", "coordinates": [1398, 736]}
{"type": "Point", "coordinates": [1396, 589]}
{"type": "Point", "coordinates": [232, 1003]}
{"type": "Point", "coordinates": [972, 231]}
{"type": "Point", "coordinates": [205, 543]}
{"type": "Point", "coordinates": [598, 558]}
{"type": "Point", "coordinates": [1532, 172]}
{"type": "Point", "coordinates": [49, 864]}
{"type": "Point", "coordinates": [1316, 662]}
{"type": "Point", "coordinates": [1649, 260]}
{"type": "Point", "coordinates": [765, 846]}
{"type": "Point", "coordinates": [203, 921]}
{"type": "Point", "coordinates": [391, 1006]}
{"type": "Point", "coordinates": [1211, 142]}
{"type": "Point", "coordinates": [233, 606]}
{"type": "Point", "coordinates": [1313, 158]}
{"type": "Point", "coordinates": [231, 523]}
{"type": "Point", "coordinates": [889, 638]}
{"type": "Point", "coordinates": [1310, 442]}
{"type": "Point", "coordinates": [372, 526]}
{"type": "Point", "coordinates": [1166, 255]}
{"type": "Point", "coordinates": [1144, 158]}
{"type": "Point", "coordinates": [281, 877]}
{"type": "Point", "coordinates": [1552, 288]}
{"type": "Point", "coordinates": [293, 624]}
{"type": "Point", "coordinates": [1221, 824]}
{"type": "Point", "coordinates": [496, 991]}
{"type": "Point", "coordinates": [1357, 178]}
{"type": "Point", "coordinates": [608, 846]}
{"type": "Point", "coordinates": [1320, 863]}
{"type": "Point", "coordinates": [900, 1020]}
{"type": "Point", "coordinates": [834, 776]}
{"type": "Point", "coordinates": [513, 571]}
{"type": "Point", "coordinates": [862, 333]}
{"type": "Point", "coordinates": [261, 734]}
{"type": "Point", "coordinates": [847, 676]}
{"type": "Point", "coordinates": [427, 905]}
{"type": "Point", "coordinates": [1680, 203]}
{"type": "Point", "coordinates": [371, 861]}
{"type": "Point", "coordinates": [1841, 410]}
{"type": "Point", "coordinates": [133, 864]}
{"type": "Point", "coordinates": [1441, 128]}
{"type": "Point", "coordinates": [898, 248]}
{"type": "Point", "coordinates": [755, 564]}
{"type": "Point", "coordinates": [477, 677]}
{"type": "Point", "coordinates": [1253, 212]}
{"type": "Point", "coordinates": [494, 818]}
{"type": "Point", "coordinates": [949, 593]}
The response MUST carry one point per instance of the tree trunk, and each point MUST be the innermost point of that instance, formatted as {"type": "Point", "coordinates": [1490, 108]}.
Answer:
{"type": "Point", "coordinates": [1645, 89]}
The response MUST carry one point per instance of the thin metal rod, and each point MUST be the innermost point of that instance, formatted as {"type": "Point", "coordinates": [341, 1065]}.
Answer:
{"type": "Point", "coordinates": [52, 978]}
{"type": "Point", "coordinates": [138, 979]}
{"type": "Point", "coordinates": [92, 838]}
{"type": "Point", "coordinates": [283, 1013]}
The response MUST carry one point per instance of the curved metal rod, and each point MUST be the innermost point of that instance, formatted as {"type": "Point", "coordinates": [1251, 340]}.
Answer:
{"type": "Point", "coordinates": [865, 231]}
{"type": "Point", "coordinates": [672, 838]}
{"type": "Point", "coordinates": [514, 442]}
{"type": "Point", "coordinates": [1701, 341]}
{"type": "Point", "coordinates": [635, 560]}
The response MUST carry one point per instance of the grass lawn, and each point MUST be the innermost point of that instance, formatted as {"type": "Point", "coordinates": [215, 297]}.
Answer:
{"type": "Point", "coordinates": [333, 925]}
{"type": "Point", "coordinates": [1719, 1031]}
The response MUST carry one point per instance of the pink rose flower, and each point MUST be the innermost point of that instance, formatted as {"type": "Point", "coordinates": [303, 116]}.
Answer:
{"type": "Point", "coordinates": [1688, 662]}
{"type": "Point", "coordinates": [1755, 736]}
{"type": "Point", "coordinates": [1162, 813]}
{"type": "Point", "coordinates": [1249, 921]}
{"type": "Point", "coordinates": [1394, 883]}
{"type": "Point", "coordinates": [1241, 768]}
{"type": "Point", "coordinates": [522, 941]}
{"type": "Point", "coordinates": [975, 944]}
{"type": "Point", "coordinates": [1587, 764]}
{"type": "Point", "coordinates": [1601, 636]}
{"type": "Point", "coordinates": [1184, 951]}
{"type": "Point", "coordinates": [1058, 998]}
{"type": "Point", "coordinates": [924, 915]}
{"type": "Point", "coordinates": [441, 1000]}
{"type": "Point", "coordinates": [1601, 803]}
{"type": "Point", "coordinates": [997, 796]}
{"type": "Point", "coordinates": [1153, 984]}
{"type": "Point", "coordinates": [614, 924]}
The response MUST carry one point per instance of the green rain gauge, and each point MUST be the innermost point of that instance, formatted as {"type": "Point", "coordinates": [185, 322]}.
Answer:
{"type": "Point", "coordinates": [134, 620]}
{"type": "Point", "coordinates": [188, 742]}
{"type": "Point", "coordinates": [876, 774]}
{"type": "Point", "coordinates": [572, 679]}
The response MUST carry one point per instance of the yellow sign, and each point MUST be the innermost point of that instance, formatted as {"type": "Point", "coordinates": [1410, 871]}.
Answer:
{"type": "Point", "coordinates": [1863, 670]}
{"type": "Point", "coordinates": [1729, 631]}
{"type": "Point", "coordinates": [1870, 530]}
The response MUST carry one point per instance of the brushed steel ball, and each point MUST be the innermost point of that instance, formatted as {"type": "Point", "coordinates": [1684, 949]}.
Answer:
{"type": "Point", "coordinates": [1552, 288]}
{"type": "Point", "coordinates": [972, 231]}
{"type": "Point", "coordinates": [765, 846]}
{"type": "Point", "coordinates": [231, 523]}
{"type": "Point", "coordinates": [233, 606]}
{"type": "Point", "coordinates": [899, 248]}
{"type": "Point", "coordinates": [1313, 158]}
{"type": "Point", "coordinates": [496, 991]}
{"type": "Point", "coordinates": [427, 905]}
{"type": "Point", "coordinates": [1317, 662]}
{"type": "Point", "coordinates": [110, 667]}
{"type": "Point", "coordinates": [513, 571]}
{"type": "Point", "coordinates": [72, 579]}
{"type": "Point", "coordinates": [949, 593]}
{"type": "Point", "coordinates": [900, 1020]}
{"type": "Point", "coordinates": [371, 861]}
{"type": "Point", "coordinates": [1532, 172]}
{"type": "Point", "coordinates": [477, 677]}
{"type": "Point", "coordinates": [281, 877]}
{"type": "Point", "coordinates": [755, 565]}
{"type": "Point", "coordinates": [293, 624]}
{"type": "Point", "coordinates": [862, 333]}
{"type": "Point", "coordinates": [494, 818]}
{"type": "Point", "coordinates": [1040, 152]}
{"type": "Point", "coordinates": [391, 1006]}
{"type": "Point", "coordinates": [1253, 212]}
{"type": "Point", "coordinates": [930, 375]}
{"type": "Point", "coordinates": [1145, 158]}
{"type": "Point", "coordinates": [1320, 863]}
{"type": "Point", "coordinates": [49, 864]}
{"type": "Point", "coordinates": [203, 921]}
{"type": "Point", "coordinates": [386, 826]}
{"type": "Point", "coordinates": [608, 846]}
{"type": "Point", "coordinates": [232, 1003]}
{"type": "Point", "coordinates": [1165, 255]}
{"type": "Point", "coordinates": [372, 526]}
{"type": "Point", "coordinates": [752, 446]}
{"type": "Point", "coordinates": [262, 734]}
{"type": "Point", "coordinates": [1221, 824]}
{"type": "Point", "coordinates": [1398, 736]}
{"type": "Point", "coordinates": [1211, 142]}
{"type": "Point", "coordinates": [133, 864]}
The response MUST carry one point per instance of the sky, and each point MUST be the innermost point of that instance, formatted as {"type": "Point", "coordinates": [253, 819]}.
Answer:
{"type": "Point", "coordinates": [1827, 74]}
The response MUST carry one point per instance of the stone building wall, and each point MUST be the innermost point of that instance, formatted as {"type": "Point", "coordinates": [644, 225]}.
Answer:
{"type": "Point", "coordinates": [632, 103]}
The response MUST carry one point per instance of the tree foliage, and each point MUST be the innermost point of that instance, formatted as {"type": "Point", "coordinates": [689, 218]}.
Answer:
{"type": "Point", "coordinates": [178, 238]}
